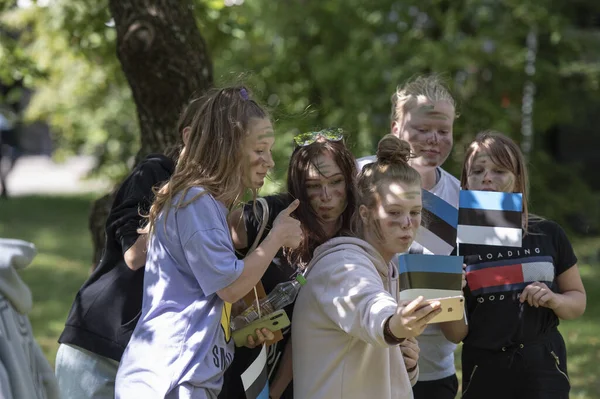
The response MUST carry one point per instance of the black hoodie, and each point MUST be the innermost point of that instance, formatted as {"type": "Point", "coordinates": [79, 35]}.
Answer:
{"type": "Point", "coordinates": [108, 305]}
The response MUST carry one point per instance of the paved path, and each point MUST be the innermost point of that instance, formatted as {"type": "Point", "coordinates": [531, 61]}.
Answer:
{"type": "Point", "coordinates": [41, 175]}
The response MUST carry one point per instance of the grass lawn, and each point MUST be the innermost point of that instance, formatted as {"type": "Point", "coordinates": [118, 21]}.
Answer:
{"type": "Point", "coordinates": [58, 227]}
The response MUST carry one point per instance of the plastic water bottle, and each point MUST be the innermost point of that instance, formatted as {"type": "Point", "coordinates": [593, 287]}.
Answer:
{"type": "Point", "coordinates": [282, 295]}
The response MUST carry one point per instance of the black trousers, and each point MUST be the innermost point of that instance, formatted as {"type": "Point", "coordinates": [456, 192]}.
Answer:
{"type": "Point", "coordinates": [522, 371]}
{"type": "Point", "coordinates": [444, 388]}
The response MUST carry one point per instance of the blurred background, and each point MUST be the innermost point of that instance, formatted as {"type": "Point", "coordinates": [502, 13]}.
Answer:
{"type": "Point", "coordinates": [87, 87]}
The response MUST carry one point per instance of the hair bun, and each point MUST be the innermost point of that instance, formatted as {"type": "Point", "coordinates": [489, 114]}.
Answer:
{"type": "Point", "coordinates": [392, 150]}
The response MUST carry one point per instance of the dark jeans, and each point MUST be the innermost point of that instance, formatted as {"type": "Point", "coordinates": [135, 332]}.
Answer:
{"type": "Point", "coordinates": [445, 388]}
{"type": "Point", "coordinates": [522, 371]}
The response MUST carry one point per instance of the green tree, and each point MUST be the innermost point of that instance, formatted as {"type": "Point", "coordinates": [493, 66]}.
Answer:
{"type": "Point", "coordinates": [336, 63]}
{"type": "Point", "coordinates": [166, 63]}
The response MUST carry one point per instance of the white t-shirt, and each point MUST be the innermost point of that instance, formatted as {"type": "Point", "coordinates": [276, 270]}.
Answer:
{"type": "Point", "coordinates": [436, 359]}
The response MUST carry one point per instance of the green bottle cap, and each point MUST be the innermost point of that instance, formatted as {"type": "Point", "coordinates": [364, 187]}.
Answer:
{"type": "Point", "coordinates": [300, 278]}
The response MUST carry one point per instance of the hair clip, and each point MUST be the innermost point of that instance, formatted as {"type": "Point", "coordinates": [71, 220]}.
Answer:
{"type": "Point", "coordinates": [244, 94]}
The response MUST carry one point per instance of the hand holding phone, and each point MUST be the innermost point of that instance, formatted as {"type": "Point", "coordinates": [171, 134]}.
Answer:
{"type": "Point", "coordinates": [262, 336]}
{"type": "Point", "coordinates": [412, 317]}
{"type": "Point", "coordinates": [452, 309]}
{"type": "Point", "coordinates": [272, 322]}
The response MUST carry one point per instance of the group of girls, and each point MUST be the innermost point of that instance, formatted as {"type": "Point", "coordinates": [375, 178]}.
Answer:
{"type": "Point", "coordinates": [153, 320]}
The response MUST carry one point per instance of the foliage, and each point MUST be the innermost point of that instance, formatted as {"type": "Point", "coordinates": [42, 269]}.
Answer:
{"type": "Point", "coordinates": [332, 63]}
{"type": "Point", "coordinates": [84, 95]}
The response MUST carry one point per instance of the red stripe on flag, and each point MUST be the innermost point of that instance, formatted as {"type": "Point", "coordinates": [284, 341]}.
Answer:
{"type": "Point", "coordinates": [493, 276]}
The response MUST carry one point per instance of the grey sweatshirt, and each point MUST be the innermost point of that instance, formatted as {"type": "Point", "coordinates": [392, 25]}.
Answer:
{"type": "Point", "coordinates": [338, 343]}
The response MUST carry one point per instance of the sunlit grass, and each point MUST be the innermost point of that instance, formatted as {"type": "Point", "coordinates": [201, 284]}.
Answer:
{"type": "Point", "coordinates": [58, 228]}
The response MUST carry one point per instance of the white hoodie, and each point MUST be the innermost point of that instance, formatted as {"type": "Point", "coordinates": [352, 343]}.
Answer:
{"type": "Point", "coordinates": [338, 343]}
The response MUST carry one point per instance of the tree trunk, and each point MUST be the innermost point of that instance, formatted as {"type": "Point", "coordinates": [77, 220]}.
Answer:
{"type": "Point", "coordinates": [166, 62]}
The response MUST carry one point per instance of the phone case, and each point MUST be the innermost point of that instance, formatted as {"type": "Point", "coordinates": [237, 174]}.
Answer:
{"type": "Point", "coordinates": [452, 309]}
{"type": "Point", "coordinates": [274, 322]}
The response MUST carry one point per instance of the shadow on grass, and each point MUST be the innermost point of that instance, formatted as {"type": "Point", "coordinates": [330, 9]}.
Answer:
{"type": "Point", "coordinates": [58, 228]}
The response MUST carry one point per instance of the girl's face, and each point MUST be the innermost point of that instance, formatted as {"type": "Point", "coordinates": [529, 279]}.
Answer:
{"type": "Point", "coordinates": [399, 216]}
{"type": "Point", "coordinates": [257, 148]}
{"type": "Point", "coordinates": [326, 188]}
{"type": "Point", "coordinates": [427, 127]}
{"type": "Point", "coordinates": [485, 175]}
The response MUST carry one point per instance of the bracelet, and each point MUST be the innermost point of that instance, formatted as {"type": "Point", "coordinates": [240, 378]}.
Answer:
{"type": "Point", "coordinates": [389, 335]}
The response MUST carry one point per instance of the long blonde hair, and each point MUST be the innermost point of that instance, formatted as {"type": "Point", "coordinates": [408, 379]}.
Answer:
{"type": "Point", "coordinates": [213, 157]}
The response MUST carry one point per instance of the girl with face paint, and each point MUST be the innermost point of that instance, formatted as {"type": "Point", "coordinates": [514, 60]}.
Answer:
{"type": "Point", "coordinates": [422, 114]}
{"type": "Point", "coordinates": [515, 296]}
{"type": "Point", "coordinates": [350, 328]}
{"type": "Point", "coordinates": [182, 344]}
{"type": "Point", "coordinates": [321, 175]}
